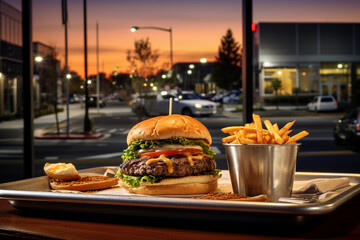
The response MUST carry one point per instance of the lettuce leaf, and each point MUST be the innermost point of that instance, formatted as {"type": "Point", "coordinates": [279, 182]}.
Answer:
{"type": "Point", "coordinates": [135, 181]}
{"type": "Point", "coordinates": [133, 150]}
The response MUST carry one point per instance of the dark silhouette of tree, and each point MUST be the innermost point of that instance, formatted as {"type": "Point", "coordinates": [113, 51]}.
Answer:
{"type": "Point", "coordinates": [143, 63]}
{"type": "Point", "coordinates": [143, 58]}
{"type": "Point", "coordinates": [227, 71]}
{"type": "Point", "coordinates": [75, 83]}
{"type": "Point", "coordinates": [276, 85]}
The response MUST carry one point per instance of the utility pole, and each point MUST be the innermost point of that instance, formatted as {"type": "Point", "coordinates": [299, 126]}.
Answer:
{"type": "Point", "coordinates": [97, 68]}
{"type": "Point", "coordinates": [87, 124]}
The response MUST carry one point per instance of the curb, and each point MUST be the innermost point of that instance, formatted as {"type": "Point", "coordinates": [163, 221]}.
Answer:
{"type": "Point", "coordinates": [70, 136]}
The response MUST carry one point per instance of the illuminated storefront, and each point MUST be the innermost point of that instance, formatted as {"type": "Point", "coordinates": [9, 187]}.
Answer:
{"type": "Point", "coordinates": [308, 59]}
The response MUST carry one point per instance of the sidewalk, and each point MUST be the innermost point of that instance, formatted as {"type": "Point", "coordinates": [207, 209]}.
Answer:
{"type": "Point", "coordinates": [234, 110]}
{"type": "Point", "coordinates": [75, 110]}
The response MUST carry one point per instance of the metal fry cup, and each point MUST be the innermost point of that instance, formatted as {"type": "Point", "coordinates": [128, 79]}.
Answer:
{"type": "Point", "coordinates": [262, 169]}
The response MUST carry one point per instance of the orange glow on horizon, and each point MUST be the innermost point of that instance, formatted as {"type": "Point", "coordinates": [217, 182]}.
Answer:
{"type": "Point", "coordinates": [198, 26]}
{"type": "Point", "coordinates": [186, 48]}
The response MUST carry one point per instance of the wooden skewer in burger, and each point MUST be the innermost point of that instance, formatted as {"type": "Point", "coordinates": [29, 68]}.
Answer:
{"type": "Point", "coordinates": [169, 155]}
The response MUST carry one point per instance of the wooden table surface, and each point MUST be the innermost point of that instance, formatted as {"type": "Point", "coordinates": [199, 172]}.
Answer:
{"type": "Point", "coordinates": [14, 223]}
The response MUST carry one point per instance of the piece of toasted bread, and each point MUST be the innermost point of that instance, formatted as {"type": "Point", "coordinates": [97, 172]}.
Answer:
{"type": "Point", "coordinates": [87, 183]}
{"type": "Point", "coordinates": [61, 171]}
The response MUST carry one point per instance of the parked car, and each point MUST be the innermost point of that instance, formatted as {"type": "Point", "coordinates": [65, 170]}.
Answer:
{"type": "Point", "coordinates": [93, 101]}
{"type": "Point", "coordinates": [347, 129]}
{"type": "Point", "coordinates": [229, 97]}
{"type": "Point", "coordinates": [74, 98]}
{"type": "Point", "coordinates": [323, 103]}
{"type": "Point", "coordinates": [186, 104]}
{"type": "Point", "coordinates": [233, 97]}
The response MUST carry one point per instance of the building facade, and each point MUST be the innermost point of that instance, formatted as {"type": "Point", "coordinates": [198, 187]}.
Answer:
{"type": "Point", "coordinates": [47, 76]}
{"type": "Point", "coordinates": [308, 59]}
{"type": "Point", "coordinates": [10, 59]}
{"type": "Point", "coordinates": [47, 73]}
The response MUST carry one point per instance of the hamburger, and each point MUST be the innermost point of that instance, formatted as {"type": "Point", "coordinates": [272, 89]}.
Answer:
{"type": "Point", "coordinates": [169, 155]}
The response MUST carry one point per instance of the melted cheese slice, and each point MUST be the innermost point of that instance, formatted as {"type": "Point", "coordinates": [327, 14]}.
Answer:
{"type": "Point", "coordinates": [169, 164]}
{"type": "Point", "coordinates": [164, 159]}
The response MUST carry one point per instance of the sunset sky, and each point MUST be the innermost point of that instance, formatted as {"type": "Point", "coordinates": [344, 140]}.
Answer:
{"type": "Point", "coordinates": [198, 25]}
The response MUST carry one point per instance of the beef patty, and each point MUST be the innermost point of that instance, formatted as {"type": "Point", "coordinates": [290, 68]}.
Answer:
{"type": "Point", "coordinates": [182, 168]}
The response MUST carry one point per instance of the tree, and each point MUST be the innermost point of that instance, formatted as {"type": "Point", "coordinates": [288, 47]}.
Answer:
{"type": "Point", "coordinates": [143, 58]}
{"type": "Point", "coordinates": [227, 71]}
{"type": "Point", "coordinates": [75, 83]}
{"type": "Point", "coordinates": [276, 85]}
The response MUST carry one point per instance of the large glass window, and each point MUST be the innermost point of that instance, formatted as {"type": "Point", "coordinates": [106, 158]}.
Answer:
{"type": "Point", "coordinates": [292, 67]}
{"type": "Point", "coordinates": [335, 72]}
{"type": "Point", "coordinates": [308, 79]}
{"type": "Point", "coordinates": [280, 80]}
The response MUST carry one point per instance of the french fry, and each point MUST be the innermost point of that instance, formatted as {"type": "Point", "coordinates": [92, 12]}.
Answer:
{"type": "Point", "coordinates": [286, 127]}
{"type": "Point", "coordinates": [250, 125]}
{"type": "Point", "coordinates": [298, 136]}
{"type": "Point", "coordinates": [254, 133]}
{"type": "Point", "coordinates": [288, 132]}
{"type": "Point", "coordinates": [266, 139]}
{"type": "Point", "coordinates": [229, 139]}
{"type": "Point", "coordinates": [259, 129]}
{"type": "Point", "coordinates": [285, 136]}
{"type": "Point", "coordinates": [252, 136]}
{"type": "Point", "coordinates": [247, 141]}
{"type": "Point", "coordinates": [238, 135]}
{"type": "Point", "coordinates": [273, 132]}
{"type": "Point", "coordinates": [233, 129]}
{"type": "Point", "coordinates": [276, 127]}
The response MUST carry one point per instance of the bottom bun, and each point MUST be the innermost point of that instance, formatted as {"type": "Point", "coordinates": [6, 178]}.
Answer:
{"type": "Point", "coordinates": [87, 183]}
{"type": "Point", "coordinates": [176, 186]}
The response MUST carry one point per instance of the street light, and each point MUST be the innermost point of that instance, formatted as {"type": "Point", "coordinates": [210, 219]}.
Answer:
{"type": "Point", "coordinates": [135, 28]}
{"type": "Point", "coordinates": [38, 59]}
{"type": "Point", "coordinates": [203, 60]}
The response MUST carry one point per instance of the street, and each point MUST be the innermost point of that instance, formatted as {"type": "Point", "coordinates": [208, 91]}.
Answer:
{"type": "Point", "coordinates": [318, 152]}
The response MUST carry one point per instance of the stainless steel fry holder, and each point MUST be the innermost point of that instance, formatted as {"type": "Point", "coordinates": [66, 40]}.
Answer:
{"type": "Point", "coordinates": [262, 169]}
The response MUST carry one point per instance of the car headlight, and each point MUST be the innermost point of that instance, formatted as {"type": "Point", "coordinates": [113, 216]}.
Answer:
{"type": "Point", "coordinates": [198, 105]}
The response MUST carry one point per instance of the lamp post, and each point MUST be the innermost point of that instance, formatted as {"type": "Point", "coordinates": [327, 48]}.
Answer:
{"type": "Point", "coordinates": [135, 28]}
